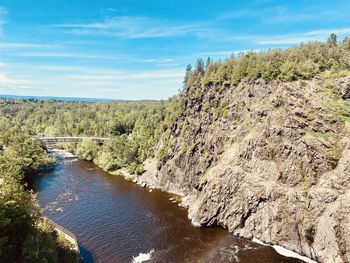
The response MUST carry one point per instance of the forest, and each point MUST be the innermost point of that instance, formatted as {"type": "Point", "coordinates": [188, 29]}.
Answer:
{"type": "Point", "coordinates": [134, 129]}
{"type": "Point", "coordinates": [24, 236]}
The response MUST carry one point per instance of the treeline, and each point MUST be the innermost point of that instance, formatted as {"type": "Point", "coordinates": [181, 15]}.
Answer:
{"type": "Point", "coordinates": [24, 236]}
{"type": "Point", "coordinates": [129, 148]}
{"type": "Point", "coordinates": [134, 128]}
{"type": "Point", "coordinates": [300, 62]}
{"type": "Point", "coordinates": [52, 117]}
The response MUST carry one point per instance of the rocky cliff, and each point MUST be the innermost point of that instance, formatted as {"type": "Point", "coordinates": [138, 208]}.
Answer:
{"type": "Point", "coordinates": [265, 159]}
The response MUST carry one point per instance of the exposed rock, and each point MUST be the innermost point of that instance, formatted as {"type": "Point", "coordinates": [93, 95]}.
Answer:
{"type": "Point", "coordinates": [272, 163]}
{"type": "Point", "coordinates": [344, 87]}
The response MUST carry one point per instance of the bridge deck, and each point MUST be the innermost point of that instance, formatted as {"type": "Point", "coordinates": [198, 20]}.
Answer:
{"type": "Point", "coordinates": [70, 139]}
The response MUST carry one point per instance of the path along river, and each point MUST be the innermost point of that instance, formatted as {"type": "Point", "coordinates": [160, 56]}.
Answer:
{"type": "Point", "coordinates": [118, 221]}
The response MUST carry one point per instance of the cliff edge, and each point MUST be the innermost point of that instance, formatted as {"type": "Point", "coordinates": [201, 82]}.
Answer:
{"type": "Point", "coordinates": [265, 159]}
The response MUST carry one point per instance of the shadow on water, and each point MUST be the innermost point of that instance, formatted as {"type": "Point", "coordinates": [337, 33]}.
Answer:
{"type": "Point", "coordinates": [32, 180]}
{"type": "Point", "coordinates": [88, 256]}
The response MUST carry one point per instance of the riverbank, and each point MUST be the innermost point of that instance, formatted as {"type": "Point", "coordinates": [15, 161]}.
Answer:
{"type": "Point", "coordinates": [160, 220]}
{"type": "Point", "coordinates": [62, 153]}
{"type": "Point", "coordinates": [118, 221]}
{"type": "Point", "coordinates": [150, 180]}
{"type": "Point", "coordinates": [285, 252]}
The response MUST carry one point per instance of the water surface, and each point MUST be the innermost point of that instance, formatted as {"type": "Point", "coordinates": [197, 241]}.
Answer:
{"type": "Point", "coordinates": [115, 220]}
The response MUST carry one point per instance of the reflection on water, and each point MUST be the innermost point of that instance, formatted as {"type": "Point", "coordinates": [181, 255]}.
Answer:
{"type": "Point", "coordinates": [117, 221]}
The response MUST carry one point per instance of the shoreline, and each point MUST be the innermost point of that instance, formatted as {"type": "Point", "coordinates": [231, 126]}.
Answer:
{"type": "Point", "coordinates": [183, 202]}
{"type": "Point", "coordinates": [62, 153]}
{"type": "Point", "coordinates": [284, 251]}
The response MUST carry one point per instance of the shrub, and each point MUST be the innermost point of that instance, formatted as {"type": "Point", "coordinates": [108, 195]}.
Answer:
{"type": "Point", "coordinates": [135, 168]}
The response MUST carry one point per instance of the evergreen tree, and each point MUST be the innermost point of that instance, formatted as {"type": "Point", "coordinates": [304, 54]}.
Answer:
{"type": "Point", "coordinates": [187, 75]}
{"type": "Point", "coordinates": [208, 62]}
{"type": "Point", "coordinates": [346, 43]}
{"type": "Point", "coordinates": [200, 66]}
{"type": "Point", "coordinates": [332, 40]}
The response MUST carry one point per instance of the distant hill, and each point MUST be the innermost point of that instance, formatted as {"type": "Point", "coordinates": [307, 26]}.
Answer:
{"type": "Point", "coordinates": [58, 98]}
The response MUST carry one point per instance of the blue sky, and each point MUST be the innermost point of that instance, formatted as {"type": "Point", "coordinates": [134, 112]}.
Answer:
{"type": "Point", "coordinates": [139, 49]}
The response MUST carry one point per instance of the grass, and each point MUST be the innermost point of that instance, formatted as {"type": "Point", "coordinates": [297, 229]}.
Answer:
{"type": "Point", "coordinates": [116, 173]}
{"type": "Point", "coordinates": [203, 177]}
{"type": "Point", "coordinates": [338, 107]}
{"type": "Point", "coordinates": [319, 135]}
{"type": "Point", "coordinates": [336, 149]}
{"type": "Point", "coordinates": [205, 106]}
{"type": "Point", "coordinates": [332, 74]}
{"type": "Point", "coordinates": [190, 149]}
{"type": "Point", "coordinates": [223, 110]}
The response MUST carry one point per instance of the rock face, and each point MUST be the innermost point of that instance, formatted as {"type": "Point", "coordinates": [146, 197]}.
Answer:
{"type": "Point", "coordinates": [269, 160]}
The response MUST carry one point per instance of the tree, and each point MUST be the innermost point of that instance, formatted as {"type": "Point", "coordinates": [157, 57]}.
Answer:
{"type": "Point", "coordinates": [200, 66]}
{"type": "Point", "coordinates": [208, 62]}
{"type": "Point", "coordinates": [187, 75]}
{"type": "Point", "coordinates": [332, 40]}
{"type": "Point", "coordinates": [22, 236]}
{"type": "Point", "coordinates": [87, 150]}
{"type": "Point", "coordinates": [346, 43]}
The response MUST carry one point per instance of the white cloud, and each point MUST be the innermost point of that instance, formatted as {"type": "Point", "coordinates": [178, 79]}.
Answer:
{"type": "Point", "coordinates": [113, 75]}
{"type": "Point", "coordinates": [22, 45]}
{"type": "Point", "coordinates": [84, 81]}
{"type": "Point", "coordinates": [315, 35]}
{"type": "Point", "coordinates": [135, 27]}
{"type": "Point", "coordinates": [225, 54]}
{"type": "Point", "coordinates": [148, 60]}
{"type": "Point", "coordinates": [3, 11]}
{"type": "Point", "coordinates": [109, 9]}
{"type": "Point", "coordinates": [7, 83]}
{"type": "Point", "coordinates": [67, 55]}
{"type": "Point", "coordinates": [251, 13]}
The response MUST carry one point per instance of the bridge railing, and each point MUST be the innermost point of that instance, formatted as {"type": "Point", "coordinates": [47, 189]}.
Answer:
{"type": "Point", "coordinates": [70, 138]}
{"type": "Point", "coordinates": [69, 236]}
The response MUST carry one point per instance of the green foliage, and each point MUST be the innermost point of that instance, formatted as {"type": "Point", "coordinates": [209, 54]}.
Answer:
{"type": "Point", "coordinates": [135, 168]}
{"type": "Point", "coordinates": [23, 158]}
{"type": "Point", "coordinates": [87, 150]}
{"type": "Point", "coordinates": [299, 62]}
{"type": "Point", "coordinates": [163, 153]}
{"type": "Point", "coordinates": [134, 127]}
{"type": "Point", "coordinates": [146, 131]}
{"type": "Point", "coordinates": [21, 237]}
{"type": "Point", "coordinates": [68, 146]}
{"type": "Point", "coordinates": [51, 117]}
{"type": "Point", "coordinates": [206, 106]}
{"type": "Point", "coordinates": [187, 75]}
{"type": "Point", "coordinates": [339, 107]}
{"type": "Point", "coordinates": [222, 110]}
{"type": "Point", "coordinates": [191, 149]}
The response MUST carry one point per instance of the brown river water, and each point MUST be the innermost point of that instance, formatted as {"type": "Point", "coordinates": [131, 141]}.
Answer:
{"type": "Point", "coordinates": [118, 221]}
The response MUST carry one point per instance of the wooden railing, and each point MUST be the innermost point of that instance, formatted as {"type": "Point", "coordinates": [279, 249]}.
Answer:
{"type": "Point", "coordinates": [69, 236]}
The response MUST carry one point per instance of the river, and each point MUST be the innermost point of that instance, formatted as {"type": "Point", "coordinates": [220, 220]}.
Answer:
{"type": "Point", "coordinates": [118, 221]}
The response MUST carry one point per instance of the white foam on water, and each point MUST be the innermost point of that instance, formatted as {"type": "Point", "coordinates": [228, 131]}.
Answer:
{"type": "Point", "coordinates": [195, 224]}
{"type": "Point", "coordinates": [143, 257]}
{"type": "Point", "coordinates": [285, 252]}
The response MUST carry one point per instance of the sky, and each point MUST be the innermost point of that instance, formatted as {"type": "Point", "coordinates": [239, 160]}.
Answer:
{"type": "Point", "coordinates": [139, 49]}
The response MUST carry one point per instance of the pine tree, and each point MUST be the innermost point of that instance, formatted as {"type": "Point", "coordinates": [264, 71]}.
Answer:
{"type": "Point", "coordinates": [200, 65]}
{"type": "Point", "coordinates": [332, 40]}
{"type": "Point", "coordinates": [346, 43]}
{"type": "Point", "coordinates": [208, 62]}
{"type": "Point", "coordinates": [187, 75]}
